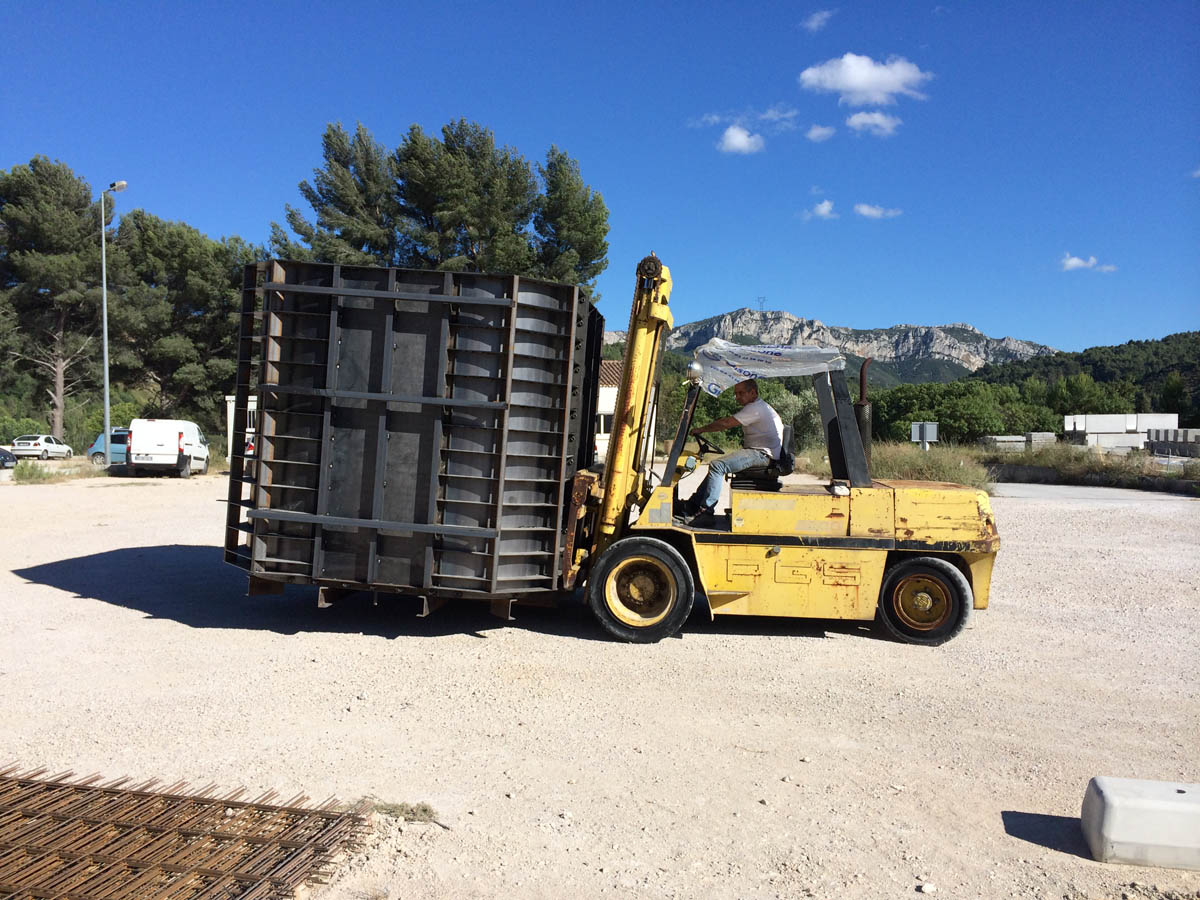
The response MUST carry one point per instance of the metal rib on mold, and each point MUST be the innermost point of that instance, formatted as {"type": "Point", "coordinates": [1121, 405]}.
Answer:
{"type": "Point", "coordinates": [84, 839]}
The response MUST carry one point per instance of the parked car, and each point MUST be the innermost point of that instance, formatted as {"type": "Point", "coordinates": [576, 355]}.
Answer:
{"type": "Point", "coordinates": [7, 460]}
{"type": "Point", "coordinates": [42, 446]}
{"type": "Point", "coordinates": [173, 446]}
{"type": "Point", "coordinates": [96, 451]}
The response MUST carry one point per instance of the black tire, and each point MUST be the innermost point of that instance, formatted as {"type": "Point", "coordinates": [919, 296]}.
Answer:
{"type": "Point", "coordinates": [45, 454]}
{"type": "Point", "coordinates": [185, 471]}
{"type": "Point", "coordinates": [204, 468]}
{"type": "Point", "coordinates": [924, 600]}
{"type": "Point", "coordinates": [97, 459]}
{"type": "Point", "coordinates": [641, 590]}
{"type": "Point", "coordinates": [70, 453]}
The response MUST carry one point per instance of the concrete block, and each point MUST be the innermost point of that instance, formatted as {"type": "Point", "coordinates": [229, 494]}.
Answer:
{"type": "Point", "coordinates": [1156, 420]}
{"type": "Point", "coordinates": [1142, 823]}
{"type": "Point", "coordinates": [1109, 423]}
{"type": "Point", "coordinates": [1112, 441]}
{"type": "Point", "coordinates": [1074, 423]}
{"type": "Point", "coordinates": [1003, 442]}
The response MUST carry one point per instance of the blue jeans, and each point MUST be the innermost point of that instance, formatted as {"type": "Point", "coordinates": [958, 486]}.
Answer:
{"type": "Point", "coordinates": [710, 489]}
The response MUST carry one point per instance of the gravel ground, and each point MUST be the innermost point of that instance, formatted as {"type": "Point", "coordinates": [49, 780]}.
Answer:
{"type": "Point", "coordinates": [757, 758]}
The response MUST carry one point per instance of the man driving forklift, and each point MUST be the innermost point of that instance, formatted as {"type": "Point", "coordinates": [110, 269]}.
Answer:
{"type": "Point", "coordinates": [762, 443]}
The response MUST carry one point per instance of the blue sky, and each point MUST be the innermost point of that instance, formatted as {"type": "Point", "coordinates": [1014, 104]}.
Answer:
{"type": "Point", "coordinates": [1030, 168]}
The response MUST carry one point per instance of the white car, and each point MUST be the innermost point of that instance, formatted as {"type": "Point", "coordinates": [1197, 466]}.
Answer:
{"type": "Point", "coordinates": [43, 446]}
{"type": "Point", "coordinates": [170, 446]}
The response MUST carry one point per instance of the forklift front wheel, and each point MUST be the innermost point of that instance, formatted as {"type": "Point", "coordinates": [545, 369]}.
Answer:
{"type": "Point", "coordinates": [925, 600]}
{"type": "Point", "coordinates": [641, 590]}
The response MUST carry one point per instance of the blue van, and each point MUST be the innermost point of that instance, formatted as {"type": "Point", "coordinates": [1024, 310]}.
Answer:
{"type": "Point", "coordinates": [120, 436]}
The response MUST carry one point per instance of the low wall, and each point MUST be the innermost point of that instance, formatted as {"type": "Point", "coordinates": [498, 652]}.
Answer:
{"type": "Point", "coordinates": [1006, 472]}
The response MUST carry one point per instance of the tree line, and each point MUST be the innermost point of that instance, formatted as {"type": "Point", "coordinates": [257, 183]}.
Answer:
{"type": "Point", "coordinates": [453, 201]}
{"type": "Point", "coordinates": [1012, 402]}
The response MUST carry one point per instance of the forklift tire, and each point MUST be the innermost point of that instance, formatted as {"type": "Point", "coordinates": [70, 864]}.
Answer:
{"type": "Point", "coordinates": [924, 600]}
{"type": "Point", "coordinates": [641, 590]}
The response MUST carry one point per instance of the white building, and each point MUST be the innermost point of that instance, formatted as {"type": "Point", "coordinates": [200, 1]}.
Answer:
{"type": "Point", "coordinates": [606, 402]}
{"type": "Point", "coordinates": [251, 420]}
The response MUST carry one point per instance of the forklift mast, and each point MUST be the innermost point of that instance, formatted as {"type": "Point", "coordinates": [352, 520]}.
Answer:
{"type": "Point", "coordinates": [649, 321]}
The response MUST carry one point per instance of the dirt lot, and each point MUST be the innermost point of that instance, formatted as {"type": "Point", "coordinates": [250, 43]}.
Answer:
{"type": "Point", "coordinates": [744, 759]}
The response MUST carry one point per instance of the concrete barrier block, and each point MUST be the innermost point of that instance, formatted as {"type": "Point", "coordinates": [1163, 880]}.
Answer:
{"type": "Point", "coordinates": [1156, 420]}
{"type": "Point", "coordinates": [1142, 823]}
{"type": "Point", "coordinates": [1113, 423]}
{"type": "Point", "coordinates": [1111, 441]}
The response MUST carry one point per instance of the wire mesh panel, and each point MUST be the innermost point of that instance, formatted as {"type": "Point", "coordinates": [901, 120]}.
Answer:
{"type": "Point", "coordinates": [85, 840]}
{"type": "Point", "coordinates": [416, 430]}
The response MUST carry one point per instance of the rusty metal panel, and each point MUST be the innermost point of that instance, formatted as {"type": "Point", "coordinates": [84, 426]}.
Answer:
{"type": "Point", "coordinates": [80, 839]}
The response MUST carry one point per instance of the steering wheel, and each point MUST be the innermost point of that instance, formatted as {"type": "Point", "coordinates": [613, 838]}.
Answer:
{"type": "Point", "coordinates": [707, 446]}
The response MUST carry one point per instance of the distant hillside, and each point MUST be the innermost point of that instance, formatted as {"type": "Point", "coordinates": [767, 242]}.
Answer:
{"type": "Point", "coordinates": [1145, 364]}
{"type": "Point", "coordinates": [903, 354]}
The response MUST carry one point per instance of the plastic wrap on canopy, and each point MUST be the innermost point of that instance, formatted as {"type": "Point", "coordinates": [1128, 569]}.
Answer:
{"type": "Point", "coordinates": [725, 364]}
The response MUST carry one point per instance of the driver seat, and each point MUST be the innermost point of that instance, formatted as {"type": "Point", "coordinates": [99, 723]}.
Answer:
{"type": "Point", "coordinates": [766, 478]}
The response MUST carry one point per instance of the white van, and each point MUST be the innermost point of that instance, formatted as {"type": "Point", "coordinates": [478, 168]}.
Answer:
{"type": "Point", "coordinates": [166, 445]}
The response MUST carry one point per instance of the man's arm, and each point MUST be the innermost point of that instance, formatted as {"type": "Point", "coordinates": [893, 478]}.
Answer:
{"type": "Point", "coordinates": [722, 424]}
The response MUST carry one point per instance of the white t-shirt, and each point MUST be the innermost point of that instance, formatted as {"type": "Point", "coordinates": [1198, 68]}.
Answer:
{"type": "Point", "coordinates": [762, 427]}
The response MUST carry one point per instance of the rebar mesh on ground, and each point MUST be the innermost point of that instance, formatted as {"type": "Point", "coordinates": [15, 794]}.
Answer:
{"type": "Point", "coordinates": [83, 840]}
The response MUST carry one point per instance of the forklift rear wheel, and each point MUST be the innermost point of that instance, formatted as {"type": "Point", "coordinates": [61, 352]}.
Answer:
{"type": "Point", "coordinates": [925, 600]}
{"type": "Point", "coordinates": [641, 590]}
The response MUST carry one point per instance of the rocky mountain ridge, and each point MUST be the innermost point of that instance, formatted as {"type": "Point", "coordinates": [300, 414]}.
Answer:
{"type": "Point", "coordinates": [957, 343]}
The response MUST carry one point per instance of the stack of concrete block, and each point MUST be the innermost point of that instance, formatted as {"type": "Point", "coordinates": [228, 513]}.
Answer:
{"type": "Point", "coordinates": [1014, 443]}
{"type": "Point", "coordinates": [1005, 443]}
{"type": "Point", "coordinates": [1117, 431]}
{"type": "Point", "coordinates": [1174, 441]}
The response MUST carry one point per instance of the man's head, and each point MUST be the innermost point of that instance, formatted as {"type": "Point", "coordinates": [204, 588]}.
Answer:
{"type": "Point", "coordinates": [745, 392]}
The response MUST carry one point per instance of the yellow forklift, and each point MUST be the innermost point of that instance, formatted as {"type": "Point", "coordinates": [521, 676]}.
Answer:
{"type": "Point", "coordinates": [916, 557]}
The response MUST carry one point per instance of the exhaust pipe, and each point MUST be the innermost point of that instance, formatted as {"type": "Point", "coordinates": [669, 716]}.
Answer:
{"type": "Point", "coordinates": [862, 411]}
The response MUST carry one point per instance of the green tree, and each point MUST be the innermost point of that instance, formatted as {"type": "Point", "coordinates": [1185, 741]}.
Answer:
{"type": "Point", "coordinates": [357, 211]}
{"type": "Point", "coordinates": [571, 223]}
{"type": "Point", "coordinates": [49, 277]}
{"type": "Point", "coordinates": [1174, 396]}
{"type": "Point", "coordinates": [177, 321]}
{"type": "Point", "coordinates": [1080, 393]}
{"type": "Point", "coordinates": [455, 202]}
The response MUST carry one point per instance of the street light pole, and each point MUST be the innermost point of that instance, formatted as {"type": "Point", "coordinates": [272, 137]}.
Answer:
{"type": "Point", "coordinates": [114, 187]}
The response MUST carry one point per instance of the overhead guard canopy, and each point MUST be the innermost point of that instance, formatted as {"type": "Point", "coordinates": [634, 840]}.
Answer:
{"type": "Point", "coordinates": [724, 364]}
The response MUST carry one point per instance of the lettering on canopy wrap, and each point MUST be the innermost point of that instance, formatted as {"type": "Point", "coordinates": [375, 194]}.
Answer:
{"type": "Point", "coordinates": [725, 364]}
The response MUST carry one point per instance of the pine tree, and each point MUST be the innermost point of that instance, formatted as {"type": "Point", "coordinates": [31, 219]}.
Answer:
{"type": "Point", "coordinates": [455, 202]}
{"type": "Point", "coordinates": [571, 223]}
{"type": "Point", "coordinates": [50, 277]}
{"type": "Point", "coordinates": [177, 322]}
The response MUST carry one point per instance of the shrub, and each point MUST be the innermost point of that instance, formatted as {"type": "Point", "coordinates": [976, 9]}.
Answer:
{"type": "Point", "coordinates": [942, 462]}
{"type": "Point", "coordinates": [27, 472]}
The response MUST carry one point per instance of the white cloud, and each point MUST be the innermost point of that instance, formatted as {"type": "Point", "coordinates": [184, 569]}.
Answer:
{"type": "Point", "coordinates": [823, 210]}
{"type": "Point", "coordinates": [860, 81]}
{"type": "Point", "coordinates": [819, 133]}
{"type": "Point", "coordinates": [818, 20]}
{"type": "Point", "coordinates": [737, 139]}
{"type": "Point", "coordinates": [772, 120]}
{"type": "Point", "coordinates": [779, 114]}
{"type": "Point", "coordinates": [876, 123]}
{"type": "Point", "coordinates": [1196, 174]}
{"type": "Point", "coordinates": [875, 212]}
{"type": "Point", "coordinates": [1070, 263]}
